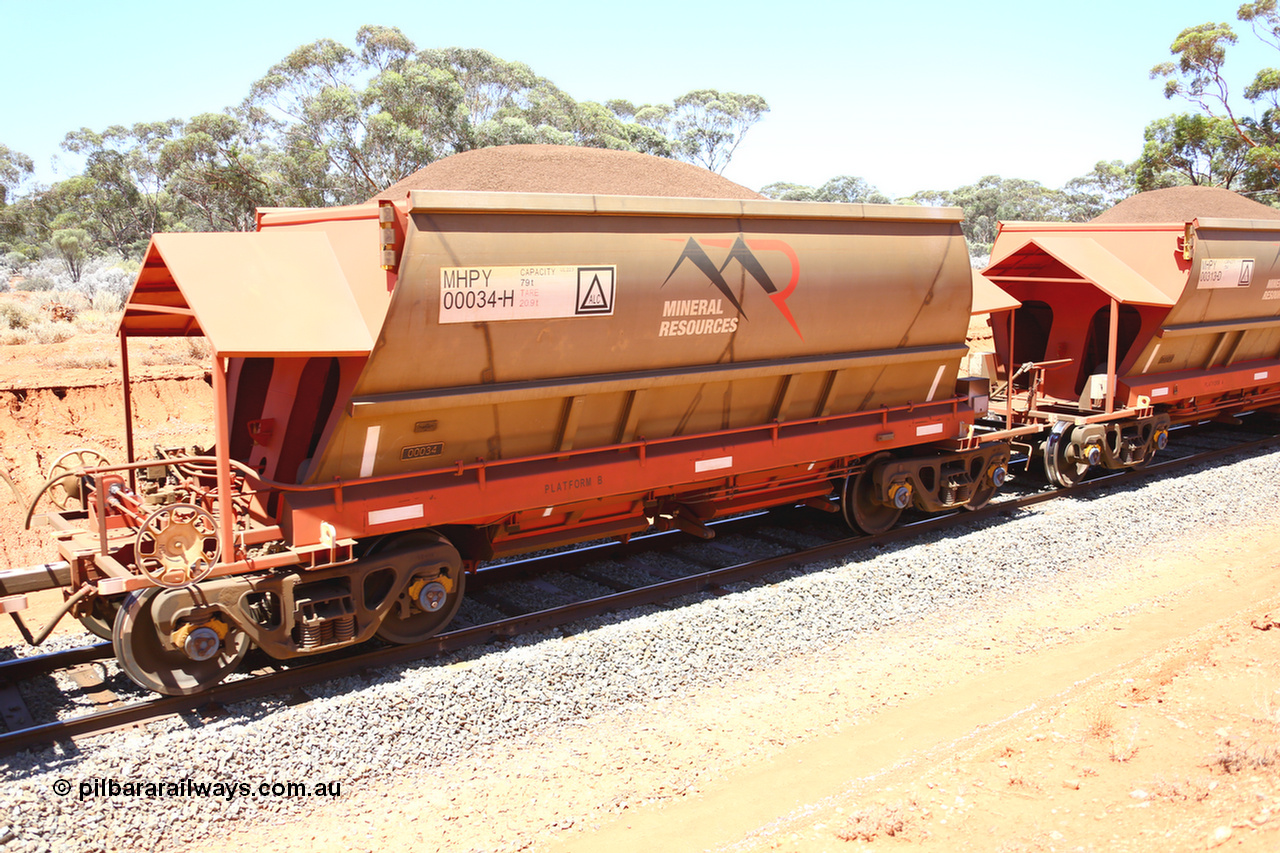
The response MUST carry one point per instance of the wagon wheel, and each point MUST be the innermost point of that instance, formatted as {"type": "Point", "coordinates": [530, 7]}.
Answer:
{"type": "Point", "coordinates": [64, 483]}
{"type": "Point", "coordinates": [1060, 470]}
{"type": "Point", "coordinates": [989, 483]}
{"type": "Point", "coordinates": [431, 598]}
{"type": "Point", "coordinates": [861, 510]}
{"type": "Point", "coordinates": [173, 672]}
{"type": "Point", "coordinates": [177, 545]}
{"type": "Point", "coordinates": [1159, 441]}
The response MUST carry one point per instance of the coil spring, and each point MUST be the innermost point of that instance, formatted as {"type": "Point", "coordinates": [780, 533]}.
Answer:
{"type": "Point", "coordinates": [955, 492]}
{"type": "Point", "coordinates": [312, 634]}
{"type": "Point", "coordinates": [323, 632]}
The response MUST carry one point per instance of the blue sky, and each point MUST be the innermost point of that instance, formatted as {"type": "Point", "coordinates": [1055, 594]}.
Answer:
{"type": "Point", "coordinates": [909, 95]}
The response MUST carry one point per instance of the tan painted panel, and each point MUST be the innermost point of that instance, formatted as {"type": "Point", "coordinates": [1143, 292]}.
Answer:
{"type": "Point", "coordinates": [763, 290]}
{"type": "Point", "coordinates": [1225, 240]}
{"type": "Point", "coordinates": [357, 248]}
{"type": "Point", "coordinates": [251, 294]}
{"type": "Point", "coordinates": [988, 298]}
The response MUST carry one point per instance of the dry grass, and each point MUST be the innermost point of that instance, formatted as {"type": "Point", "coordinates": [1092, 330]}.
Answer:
{"type": "Point", "coordinates": [51, 318]}
{"type": "Point", "coordinates": [15, 316]}
{"type": "Point", "coordinates": [55, 317]}
{"type": "Point", "coordinates": [1233, 758]}
{"type": "Point", "coordinates": [1180, 790]}
{"type": "Point", "coordinates": [198, 350]}
{"type": "Point", "coordinates": [53, 331]}
{"type": "Point", "coordinates": [93, 321]}
{"type": "Point", "coordinates": [892, 821]}
{"type": "Point", "coordinates": [1099, 724]}
{"type": "Point", "coordinates": [87, 361]}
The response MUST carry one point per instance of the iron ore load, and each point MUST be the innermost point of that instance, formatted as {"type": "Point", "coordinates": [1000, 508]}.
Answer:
{"type": "Point", "coordinates": [407, 388]}
{"type": "Point", "coordinates": [1121, 329]}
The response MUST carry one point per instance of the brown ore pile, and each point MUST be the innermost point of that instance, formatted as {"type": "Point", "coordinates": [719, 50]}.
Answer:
{"type": "Point", "coordinates": [567, 169]}
{"type": "Point", "coordinates": [1183, 204]}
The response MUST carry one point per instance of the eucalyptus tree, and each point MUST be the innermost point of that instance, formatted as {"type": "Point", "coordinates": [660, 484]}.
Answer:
{"type": "Point", "coordinates": [355, 121]}
{"type": "Point", "coordinates": [73, 247]}
{"type": "Point", "coordinates": [842, 188]}
{"type": "Point", "coordinates": [1199, 75]}
{"type": "Point", "coordinates": [994, 199]}
{"type": "Point", "coordinates": [708, 125]}
{"type": "Point", "coordinates": [15, 167]}
{"type": "Point", "coordinates": [120, 198]}
{"type": "Point", "coordinates": [1192, 149]}
{"type": "Point", "coordinates": [222, 173]}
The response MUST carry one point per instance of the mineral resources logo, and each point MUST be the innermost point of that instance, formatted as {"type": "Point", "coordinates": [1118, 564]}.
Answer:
{"type": "Point", "coordinates": [741, 251]}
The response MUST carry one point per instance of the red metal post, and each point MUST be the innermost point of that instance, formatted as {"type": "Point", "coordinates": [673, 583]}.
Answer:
{"type": "Point", "coordinates": [128, 409]}
{"type": "Point", "coordinates": [222, 451]}
{"type": "Point", "coordinates": [1008, 378]}
{"type": "Point", "coordinates": [1111, 355]}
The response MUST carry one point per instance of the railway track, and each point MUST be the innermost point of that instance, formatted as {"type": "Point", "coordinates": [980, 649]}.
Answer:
{"type": "Point", "coordinates": [712, 566]}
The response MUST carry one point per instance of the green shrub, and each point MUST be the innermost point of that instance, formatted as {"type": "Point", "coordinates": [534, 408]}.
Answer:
{"type": "Point", "coordinates": [35, 282]}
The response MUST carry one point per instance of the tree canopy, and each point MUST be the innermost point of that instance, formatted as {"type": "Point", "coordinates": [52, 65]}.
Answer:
{"type": "Point", "coordinates": [842, 188]}
{"type": "Point", "coordinates": [1201, 148]}
{"type": "Point", "coordinates": [994, 199]}
{"type": "Point", "coordinates": [14, 168]}
{"type": "Point", "coordinates": [332, 124]}
{"type": "Point", "coordinates": [989, 201]}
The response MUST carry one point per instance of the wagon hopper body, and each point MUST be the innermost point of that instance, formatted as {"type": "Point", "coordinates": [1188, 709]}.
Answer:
{"type": "Point", "coordinates": [1125, 329]}
{"type": "Point", "coordinates": [405, 389]}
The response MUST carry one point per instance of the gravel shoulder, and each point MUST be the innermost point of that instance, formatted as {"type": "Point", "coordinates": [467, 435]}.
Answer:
{"type": "Point", "coordinates": [946, 693]}
{"type": "Point", "coordinates": [1135, 714]}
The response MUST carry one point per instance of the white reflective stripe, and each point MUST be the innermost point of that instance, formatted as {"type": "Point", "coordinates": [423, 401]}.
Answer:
{"type": "Point", "coordinates": [111, 586]}
{"type": "Point", "coordinates": [929, 429]}
{"type": "Point", "coordinates": [398, 513]}
{"type": "Point", "coordinates": [547, 511]}
{"type": "Point", "coordinates": [1261, 374]}
{"type": "Point", "coordinates": [937, 377]}
{"type": "Point", "coordinates": [13, 603]}
{"type": "Point", "coordinates": [1153, 358]}
{"type": "Point", "coordinates": [1159, 392]}
{"type": "Point", "coordinates": [370, 450]}
{"type": "Point", "coordinates": [712, 464]}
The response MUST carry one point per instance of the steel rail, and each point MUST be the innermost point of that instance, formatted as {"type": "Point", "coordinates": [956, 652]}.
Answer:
{"type": "Point", "coordinates": [33, 666]}
{"type": "Point", "coordinates": [302, 675]}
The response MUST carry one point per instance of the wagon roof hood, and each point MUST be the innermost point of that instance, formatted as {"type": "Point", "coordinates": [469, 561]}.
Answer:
{"type": "Point", "coordinates": [258, 293]}
{"type": "Point", "coordinates": [1065, 257]}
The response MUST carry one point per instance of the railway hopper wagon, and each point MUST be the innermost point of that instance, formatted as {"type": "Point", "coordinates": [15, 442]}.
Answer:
{"type": "Point", "coordinates": [1121, 330]}
{"type": "Point", "coordinates": [406, 389]}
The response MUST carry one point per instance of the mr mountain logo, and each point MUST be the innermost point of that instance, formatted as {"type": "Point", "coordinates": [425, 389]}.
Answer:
{"type": "Point", "coordinates": [743, 252]}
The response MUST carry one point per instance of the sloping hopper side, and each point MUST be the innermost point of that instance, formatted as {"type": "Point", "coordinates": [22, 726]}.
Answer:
{"type": "Point", "coordinates": [534, 324]}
